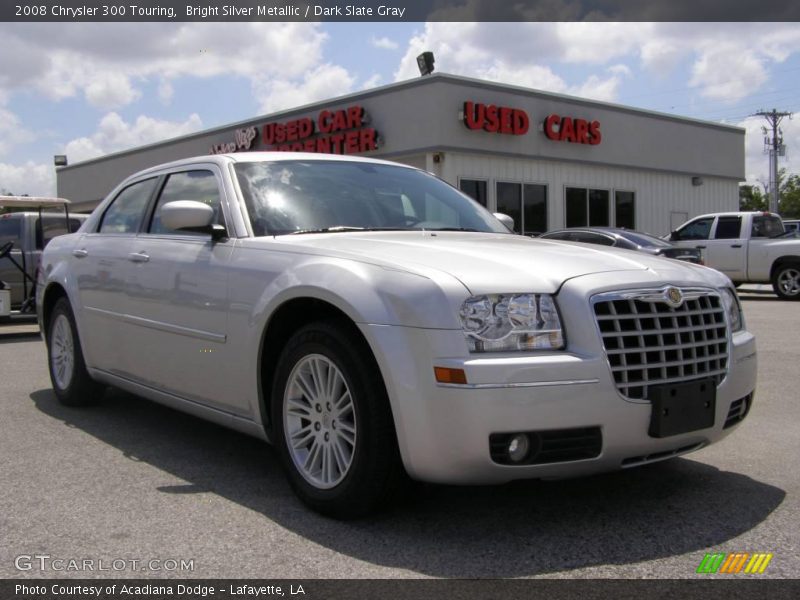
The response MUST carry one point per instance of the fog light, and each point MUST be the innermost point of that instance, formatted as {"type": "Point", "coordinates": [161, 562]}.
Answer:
{"type": "Point", "coordinates": [518, 447]}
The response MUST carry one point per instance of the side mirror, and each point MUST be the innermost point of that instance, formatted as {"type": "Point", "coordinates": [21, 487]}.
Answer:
{"type": "Point", "coordinates": [673, 236]}
{"type": "Point", "coordinates": [191, 215]}
{"type": "Point", "coordinates": [505, 220]}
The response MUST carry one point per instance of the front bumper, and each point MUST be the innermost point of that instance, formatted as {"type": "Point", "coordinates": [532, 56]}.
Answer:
{"type": "Point", "coordinates": [444, 430]}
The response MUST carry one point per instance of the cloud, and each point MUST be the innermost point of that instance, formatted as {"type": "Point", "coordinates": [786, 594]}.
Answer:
{"type": "Point", "coordinates": [372, 82]}
{"type": "Point", "coordinates": [384, 43]}
{"type": "Point", "coordinates": [728, 61]}
{"type": "Point", "coordinates": [325, 81]}
{"type": "Point", "coordinates": [28, 178]}
{"type": "Point", "coordinates": [712, 72]}
{"type": "Point", "coordinates": [105, 63]}
{"type": "Point", "coordinates": [11, 131]}
{"type": "Point", "coordinates": [115, 134]}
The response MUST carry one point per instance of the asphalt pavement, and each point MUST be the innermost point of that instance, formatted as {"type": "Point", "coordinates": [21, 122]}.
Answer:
{"type": "Point", "coordinates": [129, 482]}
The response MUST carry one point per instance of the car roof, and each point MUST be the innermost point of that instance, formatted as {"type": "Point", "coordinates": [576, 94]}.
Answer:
{"type": "Point", "coordinates": [245, 157]}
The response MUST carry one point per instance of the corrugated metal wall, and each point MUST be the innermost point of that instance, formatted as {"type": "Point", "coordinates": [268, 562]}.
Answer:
{"type": "Point", "coordinates": [658, 195]}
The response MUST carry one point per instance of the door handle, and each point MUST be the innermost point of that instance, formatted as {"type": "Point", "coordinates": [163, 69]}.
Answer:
{"type": "Point", "coordinates": [736, 245]}
{"type": "Point", "coordinates": [140, 257]}
{"type": "Point", "coordinates": [80, 253]}
{"type": "Point", "coordinates": [700, 247]}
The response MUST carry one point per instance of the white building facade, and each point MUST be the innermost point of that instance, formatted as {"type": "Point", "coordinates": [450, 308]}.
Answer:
{"type": "Point", "coordinates": [547, 160]}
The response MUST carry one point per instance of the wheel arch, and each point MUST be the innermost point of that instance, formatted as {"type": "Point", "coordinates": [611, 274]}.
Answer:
{"type": "Point", "coordinates": [285, 320]}
{"type": "Point", "coordinates": [781, 261]}
{"type": "Point", "coordinates": [52, 293]}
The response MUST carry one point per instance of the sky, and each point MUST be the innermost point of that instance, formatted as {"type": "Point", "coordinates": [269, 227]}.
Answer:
{"type": "Point", "coordinates": [89, 89]}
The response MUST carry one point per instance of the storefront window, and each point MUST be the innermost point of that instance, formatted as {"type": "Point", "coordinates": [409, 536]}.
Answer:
{"type": "Point", "coordinates": [577, 213]}
{"type": "Point", "coordinates": [587, 207]}
{"type": "Point", "coordinates": [509, 202]}
{"type": "Point", "coordinates": [625, 210]}
{"type": "Point", "coordinates": [475, 189]}
{"type": "Point", "coordinates": [525, 203]}
{"type": "Point", "coordinates": [535, 198]}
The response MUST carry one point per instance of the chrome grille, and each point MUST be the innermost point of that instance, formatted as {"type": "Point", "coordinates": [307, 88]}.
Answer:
{"type": "Point", "coordinates": [648, 342]}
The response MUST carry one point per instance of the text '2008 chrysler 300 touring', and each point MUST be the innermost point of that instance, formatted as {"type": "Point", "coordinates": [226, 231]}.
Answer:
{"type": "Point", "coordinates": [371, 321]}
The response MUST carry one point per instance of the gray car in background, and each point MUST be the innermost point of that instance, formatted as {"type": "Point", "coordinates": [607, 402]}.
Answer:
{"type": "Point", "coordinates": [627, 239]}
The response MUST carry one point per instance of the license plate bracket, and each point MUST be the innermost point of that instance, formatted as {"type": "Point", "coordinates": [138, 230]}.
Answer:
{"type": "Point", "coordinates": [682, 407]}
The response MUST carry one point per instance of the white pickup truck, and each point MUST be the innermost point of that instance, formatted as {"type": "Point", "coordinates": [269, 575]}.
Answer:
{"type": "Point", "coordinates": [749, 247]}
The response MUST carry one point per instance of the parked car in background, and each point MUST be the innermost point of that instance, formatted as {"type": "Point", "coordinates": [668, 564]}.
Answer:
{"type": "Point", "coordinates": [625, 238]}
{"type": "Point", "coordinates": [749, 247]}
{"type": "Point", "coordinates": [23, 236]}
{"type": "Point", "coordinates": [791, 225]}
{"type": "Point", "coordinates": [371, 320]}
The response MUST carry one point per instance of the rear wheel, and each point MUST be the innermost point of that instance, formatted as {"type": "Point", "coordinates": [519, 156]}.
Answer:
{"type": "Point", "coordinates": [71, 381]}
{"type": "Point", "coordinates": [786, 281]}
{"type": "Point", "coordinates": [333, 425]}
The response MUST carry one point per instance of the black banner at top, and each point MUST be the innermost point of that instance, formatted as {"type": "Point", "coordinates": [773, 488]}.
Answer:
{"type": "Point", "coordinates": [397, 10]}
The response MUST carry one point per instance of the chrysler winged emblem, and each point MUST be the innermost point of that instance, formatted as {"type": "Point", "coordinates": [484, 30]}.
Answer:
{"type": "Point", "coordinates": [673, 297]}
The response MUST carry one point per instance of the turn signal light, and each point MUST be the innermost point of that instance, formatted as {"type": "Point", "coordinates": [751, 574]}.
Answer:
{"type": "Point", "coordinates": [448, 375]}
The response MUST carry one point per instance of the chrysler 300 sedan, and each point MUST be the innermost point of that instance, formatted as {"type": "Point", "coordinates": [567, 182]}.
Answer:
{"type": "Point", "coordinates": [373, 323]}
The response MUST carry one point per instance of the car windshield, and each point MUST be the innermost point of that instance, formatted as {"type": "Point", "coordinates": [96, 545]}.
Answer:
{"type": "Point", "coordinates": [644, 240]}
{"type": "Point", "coordinates": [309, 196]}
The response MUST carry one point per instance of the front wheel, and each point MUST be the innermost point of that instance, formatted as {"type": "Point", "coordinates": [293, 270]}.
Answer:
{"type": "Point", "coordinates": [786, 281]}
{"type": "Point", "coordinates": [332, 421]}
{"type": "Point", "coordinates": [71, 381]}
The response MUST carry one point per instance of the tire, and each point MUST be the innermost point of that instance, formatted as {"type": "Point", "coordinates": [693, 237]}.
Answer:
{"type": "Point", "coordinates": [786, 281]}
{"type": "Point", "coordinates": [71, 381]}
{"type": "Point", "coordinates": [344, 462]}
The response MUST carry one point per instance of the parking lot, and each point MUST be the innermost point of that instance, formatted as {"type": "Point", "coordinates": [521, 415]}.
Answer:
{"type": "Point", "coordinates": [129, 480]}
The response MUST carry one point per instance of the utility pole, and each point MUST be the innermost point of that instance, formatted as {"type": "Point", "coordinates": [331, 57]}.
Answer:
{"type": "Point", "coordinates": [774, 147]}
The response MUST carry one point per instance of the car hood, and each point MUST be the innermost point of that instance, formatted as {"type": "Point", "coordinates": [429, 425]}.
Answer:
{"type": "Point", "coordinates": [490, 263]}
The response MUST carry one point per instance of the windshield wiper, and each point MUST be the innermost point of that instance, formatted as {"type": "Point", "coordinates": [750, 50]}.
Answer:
{"type": "Point", "coordinates": [334, 229]}
{"type": "Point", "coordinates": [452, 229]}
{"type": "Point", "coordinates": [340, 228]}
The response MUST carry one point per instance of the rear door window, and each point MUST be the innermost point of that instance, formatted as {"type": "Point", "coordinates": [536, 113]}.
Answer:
{"type": "Point", "coordinates": [10, 230]}
{"type": "Point", "coordinates": [126, 211]}
{"type": "Point", "coordinates": [728, 228]}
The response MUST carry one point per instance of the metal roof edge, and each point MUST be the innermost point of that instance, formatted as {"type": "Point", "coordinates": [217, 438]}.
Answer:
{"type": "Point", "coordinates": [409, 83]}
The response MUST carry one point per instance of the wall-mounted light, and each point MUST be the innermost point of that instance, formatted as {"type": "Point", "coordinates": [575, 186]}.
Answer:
{"type": "Point", "coordinates": [425, 63]}
{"type": "Point", "coordinates": [60, 160]}
{"type": "Point", "coordinates": [697, 181]}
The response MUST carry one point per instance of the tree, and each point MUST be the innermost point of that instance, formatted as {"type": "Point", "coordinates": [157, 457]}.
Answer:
{"type": "Point", "coordinates": [790, 198]}
{"type": "Point", "coordinates": [751, 198]}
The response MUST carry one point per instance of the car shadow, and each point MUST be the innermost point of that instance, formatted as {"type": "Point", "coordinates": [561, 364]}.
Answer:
{"type": "Point", "coordinates": [520, 529]}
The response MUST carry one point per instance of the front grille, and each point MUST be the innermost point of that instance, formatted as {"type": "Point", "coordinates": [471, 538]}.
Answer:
{"type": "Point", "coordinates": [648, 342]}
{"type": "Point", "coordinates": [555, 445]}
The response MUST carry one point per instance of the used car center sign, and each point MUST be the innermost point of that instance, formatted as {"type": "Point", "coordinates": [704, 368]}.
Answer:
{"type": "Point", "coordinates": [515, 121]}
{"type": "Point", "coordinates": [343, 131]}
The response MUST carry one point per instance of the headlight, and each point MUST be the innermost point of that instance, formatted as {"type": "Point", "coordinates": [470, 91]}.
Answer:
{"type": "Point", "coordinates": [733, 309]}
{"type": "Point", "coordinates": [508, 322]}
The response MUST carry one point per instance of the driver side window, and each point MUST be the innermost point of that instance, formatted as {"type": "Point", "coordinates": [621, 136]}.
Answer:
{"type": "Point", "coordinates": [696, 230]}
{"type": "Point", "coordinates": [199, 185]}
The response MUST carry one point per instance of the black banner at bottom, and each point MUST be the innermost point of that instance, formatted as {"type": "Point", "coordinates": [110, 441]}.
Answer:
{"type": "Point", "coordinates": [399, 589]}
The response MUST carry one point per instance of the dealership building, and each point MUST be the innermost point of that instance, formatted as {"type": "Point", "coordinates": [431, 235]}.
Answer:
{"type": "Point", "coordinates": [548, 160]}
